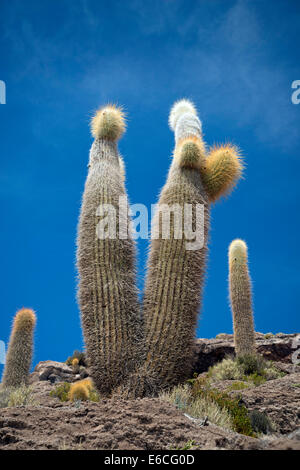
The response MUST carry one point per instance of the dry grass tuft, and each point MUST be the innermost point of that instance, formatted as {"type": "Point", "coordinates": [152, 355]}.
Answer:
{"type": "Point", "coordinates": [200, 407]}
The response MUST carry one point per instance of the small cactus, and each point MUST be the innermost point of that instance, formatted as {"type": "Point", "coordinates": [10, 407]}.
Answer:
{"type": "Point", "coordinates": [241, 299]}
{"type": "Point", "coordinates": [87, 383]}
{"type": "Point", "coordinates": [75, 362]}
{"type": "Point", "coordinates": [108, 297]}
{"type": "Point", "coordinates": [20, 349]}
{"type": "Point", "coordinates": [79, 391]}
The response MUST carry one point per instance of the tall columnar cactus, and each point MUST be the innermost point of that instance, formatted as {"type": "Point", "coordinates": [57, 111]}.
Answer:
{"type": "Point", "coordinates": [176, 266]}
{"type": "Point", "coordinates": [241, 299]}
{"type": "Point", "coordinates": [20, 348]}
{"type": "Point", "coordinates": [108, 298]}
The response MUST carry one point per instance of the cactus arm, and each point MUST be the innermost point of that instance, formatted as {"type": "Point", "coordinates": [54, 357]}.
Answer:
{"type": "Point", "coordinates": [221, 171]}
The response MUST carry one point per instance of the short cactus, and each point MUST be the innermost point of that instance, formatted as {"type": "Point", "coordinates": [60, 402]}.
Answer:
{"type": "Point", "coordinates": [87, 383]}
{"type": "Point", "coordinates": [108, 298]}
{"type": "Point", "coordinates": [241, 299]}
{"type": "Point", "coordinates": [175, 269]}
{"type": "Point", "coordinates": [20, 349]}
{"type": "Point", "coordinates": [75, 362]}
{"type": "Point", "coordinates": [79, 391]}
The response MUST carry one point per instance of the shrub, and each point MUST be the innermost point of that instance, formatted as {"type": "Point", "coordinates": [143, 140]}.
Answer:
{"type": "Point", "coordinates": [271, 373]}
{"type": "Point", "coordinates": [238, 386]}
{"type": "Point", "coordinates": [61, 391]}
{"type": "Point", "coordinates": [248, 368]}
{"type": "Point", "coordinates": [260, 422]}
{"type": "Point", "coordinates": [256, 379]}
{"type": "Point", "coordinates": [236, 410]}
{"type": "Point", "coordinates": [228, 369]}
{"type": "Point", "coordinates": [77, 355]}
{"type": "Point", "coordinates": [269, 335]}
{"type": "Point", "coordinates": [252, 363]}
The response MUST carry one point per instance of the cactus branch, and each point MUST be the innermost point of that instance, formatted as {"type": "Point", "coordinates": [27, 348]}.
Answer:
{"type": "Point", "coordinates": [222, 169]}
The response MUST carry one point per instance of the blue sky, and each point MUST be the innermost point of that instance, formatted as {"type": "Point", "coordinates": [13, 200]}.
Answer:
{"type": "Point", "coordinates": [61, 59]}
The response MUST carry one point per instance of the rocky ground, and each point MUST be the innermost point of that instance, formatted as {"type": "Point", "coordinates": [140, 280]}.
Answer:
{"type": "Point", "coordinates": [150, 423]}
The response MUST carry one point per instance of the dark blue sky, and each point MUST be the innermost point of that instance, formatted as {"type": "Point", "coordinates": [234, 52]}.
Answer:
{"type": "Point", "coordinates": [61, 59]}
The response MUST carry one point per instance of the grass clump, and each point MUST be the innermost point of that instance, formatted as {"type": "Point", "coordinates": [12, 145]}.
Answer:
{"type": "Point", "coordinates": [61, 391]}
{"type": "Point", "coordinates": [187, 446]}
{"type": "Point", "coordinates": [238, 413]}
{"type": "Point", "coordinates": [238, 385]}
{"type": "Point", "coordinates": [16, 396]}
{"type": "Point", "coordinates": [256, 379]}
{"type": "Point", "coordinates": [228, 369]}
{"type": "Point", "coordinates": [199, 400]}
{"type": "Point", "coordinates": [4, 396]}
{"type": "Point", "coordinates": [197, 407]}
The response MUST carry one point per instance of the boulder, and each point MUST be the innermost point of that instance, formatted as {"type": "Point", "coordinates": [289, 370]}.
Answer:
{"type": "Point", "coordinates": [278, 348]}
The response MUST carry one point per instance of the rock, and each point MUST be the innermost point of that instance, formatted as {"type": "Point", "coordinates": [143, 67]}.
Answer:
{"type": "Point", "coordinates": [150, 423]}
{"type": "Point", "coordinates": [83, 373]}
{"type": "Point", "coordinates": [147, 424]}
{"type": "Point", "coordinates": [53, 371]}
{"type": "Point", "coordinates": [277, 348]}
{"type": "Point", "coordinates": [56, 372]}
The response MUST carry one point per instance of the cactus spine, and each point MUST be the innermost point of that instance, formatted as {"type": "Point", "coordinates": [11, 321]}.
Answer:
{"type": "Point", "coordinates": [175, 272]}
{"type": "Point", "coordinates": [241, 299]}
{"type": "Point", "coordinates": [20, 348]}
{"type": "Point", "coordinates": [110, 311]}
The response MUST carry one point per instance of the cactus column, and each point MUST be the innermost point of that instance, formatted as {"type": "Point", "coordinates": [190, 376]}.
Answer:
{"type": "Point", "coordinates": [176, 268]}
{"type": "Point", "coordinates": [20, 348]}
{"type": "Point", "coordinates": [108, 298]}
{"type": "Point", "coordinates": [241, 299]}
